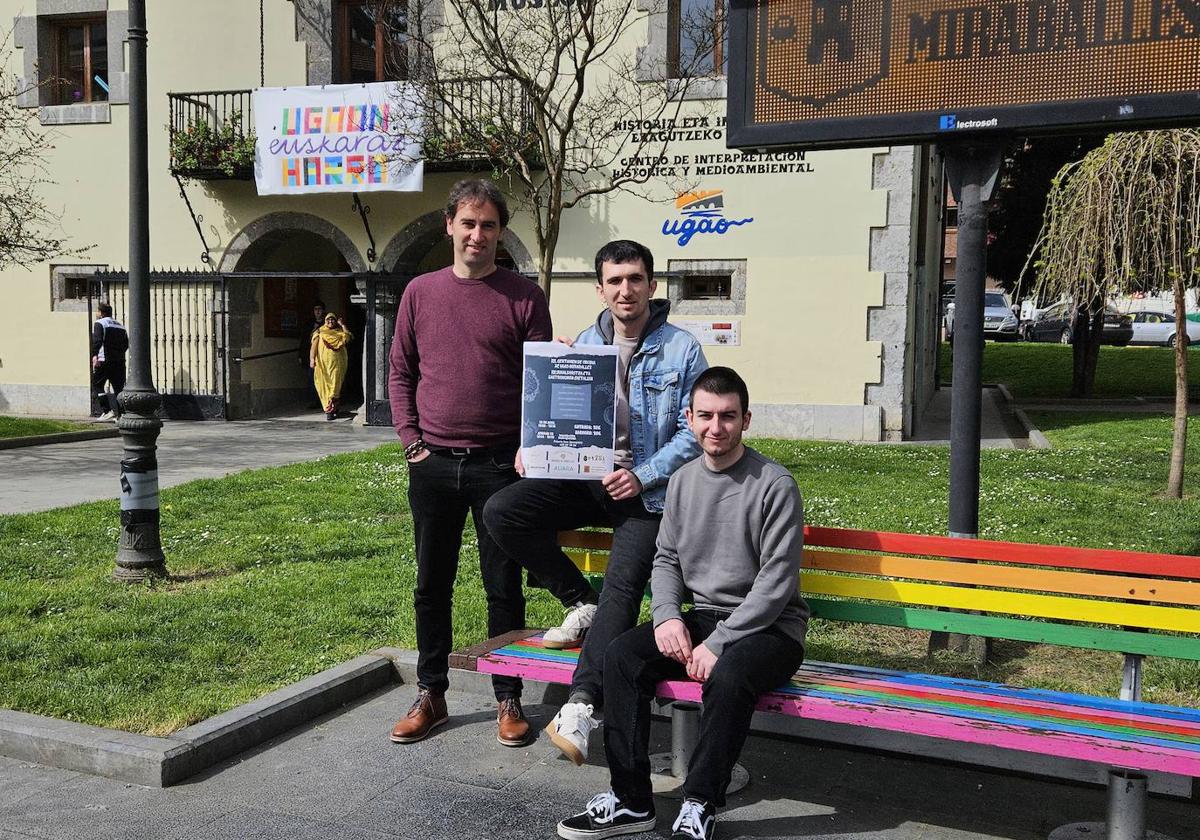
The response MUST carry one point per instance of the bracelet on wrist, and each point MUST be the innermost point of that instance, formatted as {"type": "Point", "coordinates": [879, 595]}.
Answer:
{"type": "Point", "coordinates": [415, 448]}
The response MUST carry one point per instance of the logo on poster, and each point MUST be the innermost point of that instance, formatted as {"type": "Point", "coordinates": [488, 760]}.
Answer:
{"type": "Point", "coordinates": [703, 212]}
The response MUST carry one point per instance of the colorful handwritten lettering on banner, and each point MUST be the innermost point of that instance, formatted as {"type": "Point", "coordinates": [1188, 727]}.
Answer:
{"type": "Point", "coordinates": [338, 138]}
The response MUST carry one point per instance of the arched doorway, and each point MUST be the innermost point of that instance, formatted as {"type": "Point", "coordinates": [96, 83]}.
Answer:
{"type": "Point", "coordinates": [422, 246]}
{"type": "Point", "coordinates": [276, 269]}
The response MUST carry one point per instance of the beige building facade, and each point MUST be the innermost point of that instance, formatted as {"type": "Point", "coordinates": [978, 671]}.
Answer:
{"type": "Point", "coordinates": [821, 286]}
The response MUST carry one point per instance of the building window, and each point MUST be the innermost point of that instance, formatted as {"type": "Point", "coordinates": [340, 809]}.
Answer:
{"type": "Point", "coordinates": [69, 287]}
{"type": "Point", "coordinates": [371, 38]}
{"type": "Point", "coordinates": [708, 287]}
{"type": "Point", "coordinates": [697, 38]}
{"type": "Point", "coordinates": [80, 61]}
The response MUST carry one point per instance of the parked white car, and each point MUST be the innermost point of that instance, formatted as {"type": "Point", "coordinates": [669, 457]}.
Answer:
{"type": "Point", "coordinates": [1159, 328]}
{"type": "Point", "coordinates": [999, 321]}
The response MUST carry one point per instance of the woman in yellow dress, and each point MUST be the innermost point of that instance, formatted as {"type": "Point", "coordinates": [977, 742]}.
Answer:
{"type": "Point", "coordinates": [328, 358]}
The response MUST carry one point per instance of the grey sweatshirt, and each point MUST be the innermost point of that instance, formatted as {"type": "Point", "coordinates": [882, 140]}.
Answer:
{"type": "Point", "coordinates": [733, 539]}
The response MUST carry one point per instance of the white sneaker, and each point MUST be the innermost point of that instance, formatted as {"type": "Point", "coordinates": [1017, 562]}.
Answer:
{"type": "Point", "coordinates": [108, 415]}
{"type": "Point", "coordinates": [570, 729]}
{"type": "Point", "coordinates": [569, 634]}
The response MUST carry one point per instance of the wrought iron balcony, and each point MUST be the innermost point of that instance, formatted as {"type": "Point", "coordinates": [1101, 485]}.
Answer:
{"type": "Point", "coordinates": [212, 135]}
{"type": "Point", "coordinates": [470, 114]}
{"type": "Point", "coordinates": [212, 132]}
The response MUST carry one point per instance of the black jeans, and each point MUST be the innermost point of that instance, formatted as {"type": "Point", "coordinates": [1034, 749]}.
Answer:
{"type": "Point", "coordinates": [746, 669]}
{"type": "Point", "coordinates": [525, 519]}
{"type": "Point", "coordinates": [441, 489]}
{"type": "Point", "coordinates": [112, 372]}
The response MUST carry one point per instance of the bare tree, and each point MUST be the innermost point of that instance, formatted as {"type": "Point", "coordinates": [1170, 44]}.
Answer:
{"type": "Point", "coordinates": [552, 95]}
{"type": "Point", "coordinates": [1127, 218]}
{"type": "Point", "coordinates": [30, 230]}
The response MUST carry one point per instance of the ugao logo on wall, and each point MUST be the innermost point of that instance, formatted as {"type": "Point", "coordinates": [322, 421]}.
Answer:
{"type": "Point", "coordinates": [703, 212]}
{"type": "Point", "coordinates": [337, 138]}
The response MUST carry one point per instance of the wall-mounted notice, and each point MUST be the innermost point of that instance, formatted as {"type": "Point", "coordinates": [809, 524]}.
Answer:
{"type": "Point", "coordinates": [720, 333]}
{"type": "Point", "coordinates": [567, 428]}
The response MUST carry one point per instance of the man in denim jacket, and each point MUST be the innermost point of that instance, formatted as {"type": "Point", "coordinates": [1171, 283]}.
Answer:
{"type": "Point", "coordinates": [657, 365]}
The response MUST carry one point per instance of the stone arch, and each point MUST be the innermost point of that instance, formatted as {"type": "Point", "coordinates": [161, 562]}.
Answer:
{"type": "Point", "coordinates": [406, 249]}
{"type": "Point", "coordinates": [282, 223]}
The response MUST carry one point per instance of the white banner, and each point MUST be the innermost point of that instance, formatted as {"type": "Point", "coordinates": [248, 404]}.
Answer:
{"type": "Point", "coordinates": [338, 138]}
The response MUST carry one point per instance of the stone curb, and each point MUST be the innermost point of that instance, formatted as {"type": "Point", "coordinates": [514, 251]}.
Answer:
{"type": "Point", "coordinates": [58, 437]}
{"type": "Point", "coordinates": [160, 762]}
{"type": "Point", "coordinates": [1037, 440]}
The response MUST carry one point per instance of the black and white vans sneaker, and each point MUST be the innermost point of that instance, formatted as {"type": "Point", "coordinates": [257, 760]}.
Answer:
{"type": "Point", "coordinates": [606, 816]}
{"type": "Point", "coordinates": [696, 821]}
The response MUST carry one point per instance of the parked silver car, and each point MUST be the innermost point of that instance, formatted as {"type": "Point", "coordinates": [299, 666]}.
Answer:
{"type": "Point", "coordinates": [1159, 328]}
{"type": "Point", "coordinates": [999, 320]}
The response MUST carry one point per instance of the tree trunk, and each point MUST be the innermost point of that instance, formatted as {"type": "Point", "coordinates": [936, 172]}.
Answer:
{"type": "Point", "coordinates": [546, 249]}
{"type": "Point", "coordinates": [1179, 439]}
{"type": "Point", "coordinates": [1080, 331]}
{"type": "Point", "coordinates": [1092, 349]}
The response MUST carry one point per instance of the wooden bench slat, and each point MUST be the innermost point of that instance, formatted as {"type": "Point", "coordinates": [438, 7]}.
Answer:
{"type": "Point", "coordinates": [1013, 603]}
{"type": "Point", "coordinates": [589, 563]}
{"type": "Point", "coordinates": [1026, 554]}
{"type": "Point", "coordinates": [1155, 590]}
{"type": "Point", "coordinates": [1138, 735]}
{"type": "Point", "coordinates": [1069, 635]}
{"type": "Point", "coordinates": [598, 540]}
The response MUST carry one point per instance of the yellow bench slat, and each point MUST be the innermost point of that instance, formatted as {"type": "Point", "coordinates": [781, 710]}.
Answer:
{"type": "Point", "coordinates": [1011, 603]}
{"type": "Point", "coordinates": [1007, 577]}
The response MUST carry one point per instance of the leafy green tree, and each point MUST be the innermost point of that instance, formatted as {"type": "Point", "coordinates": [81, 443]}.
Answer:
{"type": "Point", "coordinates": [1126, 218]}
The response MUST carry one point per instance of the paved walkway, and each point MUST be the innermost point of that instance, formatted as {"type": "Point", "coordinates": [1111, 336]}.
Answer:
{"type": "Point", "coordinates": [998, 429]}
{"type": "Point", "coordinates": [42, 477]}
{"type": "Point", "coordinates": [340, 777]}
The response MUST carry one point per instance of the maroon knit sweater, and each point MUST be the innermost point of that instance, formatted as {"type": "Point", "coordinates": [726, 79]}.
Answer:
{"type": "Point", "coordinates": [455, 377]}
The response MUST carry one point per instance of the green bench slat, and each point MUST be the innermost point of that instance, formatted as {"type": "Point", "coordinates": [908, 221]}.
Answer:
{"type": "Point", "coordinates": [1070, 635]}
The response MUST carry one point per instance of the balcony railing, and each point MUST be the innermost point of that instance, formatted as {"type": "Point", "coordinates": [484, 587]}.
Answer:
{"type": "Point", "coordinates": [212, 137]}
{"type": "Point", "coordinates": [466, 113]}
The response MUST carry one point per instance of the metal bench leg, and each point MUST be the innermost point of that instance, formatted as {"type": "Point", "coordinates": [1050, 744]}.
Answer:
{"type": "Point", "coordinates": [669, 769]}
{"type": "Point", "coordinates": [1126, 813]}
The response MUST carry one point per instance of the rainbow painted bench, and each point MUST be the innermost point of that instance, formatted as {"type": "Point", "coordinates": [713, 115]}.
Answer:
{"type": "Point", "coordinates": [1131, 603]}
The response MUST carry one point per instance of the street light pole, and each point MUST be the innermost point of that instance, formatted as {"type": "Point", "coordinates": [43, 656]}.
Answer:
{"type": "Point", "coordinates": [139, 553]}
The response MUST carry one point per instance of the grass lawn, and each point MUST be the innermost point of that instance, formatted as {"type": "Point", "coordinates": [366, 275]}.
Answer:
{"type": "Point", "coordinates": [15, 427]}
{"type": "Point", "coordinates": [1036, 370]}
{"type": "Point", "coordinates": [281, 572]}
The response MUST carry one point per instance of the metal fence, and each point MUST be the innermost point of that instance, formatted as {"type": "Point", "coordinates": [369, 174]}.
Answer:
{"type": "Point", "coordinates": [187, 337]}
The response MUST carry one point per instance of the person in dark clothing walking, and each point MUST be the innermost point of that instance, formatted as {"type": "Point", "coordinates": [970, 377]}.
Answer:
{"type": "Point", "coordinates": [455, 388]}
{"type": "Point", "coordinates": [731, 535]}
{"type": "Point", "coordinates": [110, 342]}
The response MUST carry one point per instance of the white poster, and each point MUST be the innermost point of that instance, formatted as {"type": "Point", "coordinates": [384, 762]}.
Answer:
{"type": "Point", "coordinates": [567, 414]}
{"type": "Point", "coordinates": [338, 138]}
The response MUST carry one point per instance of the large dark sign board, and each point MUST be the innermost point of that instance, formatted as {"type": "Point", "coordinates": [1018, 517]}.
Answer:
{"type": "Point", "coordinates": [835, 73]}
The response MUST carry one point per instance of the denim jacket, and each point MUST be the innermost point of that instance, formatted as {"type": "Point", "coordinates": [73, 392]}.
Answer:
{"type": "Point", "coordinates": [663, 369]}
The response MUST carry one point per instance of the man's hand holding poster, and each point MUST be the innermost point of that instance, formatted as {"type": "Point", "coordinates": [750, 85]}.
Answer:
{"type": "Point", "coordinates": [567, 428]}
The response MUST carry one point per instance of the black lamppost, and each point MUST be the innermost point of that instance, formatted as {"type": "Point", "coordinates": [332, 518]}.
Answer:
{"type": "Point", "coordinates": [139, 554]}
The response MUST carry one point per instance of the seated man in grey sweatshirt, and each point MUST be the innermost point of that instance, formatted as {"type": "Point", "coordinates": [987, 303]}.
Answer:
{"type": "Point", "coordinates": [731, 535]}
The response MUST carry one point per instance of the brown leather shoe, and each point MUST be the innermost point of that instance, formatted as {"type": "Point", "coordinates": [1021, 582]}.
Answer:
{"type": "Point", "coordinates": [512, 728]}
{"type": "Point", "coordinates": [428, 711]}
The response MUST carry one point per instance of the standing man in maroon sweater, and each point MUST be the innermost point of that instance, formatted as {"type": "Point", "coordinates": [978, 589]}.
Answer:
{"type": "Point", "coordinates": [455, 386]}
